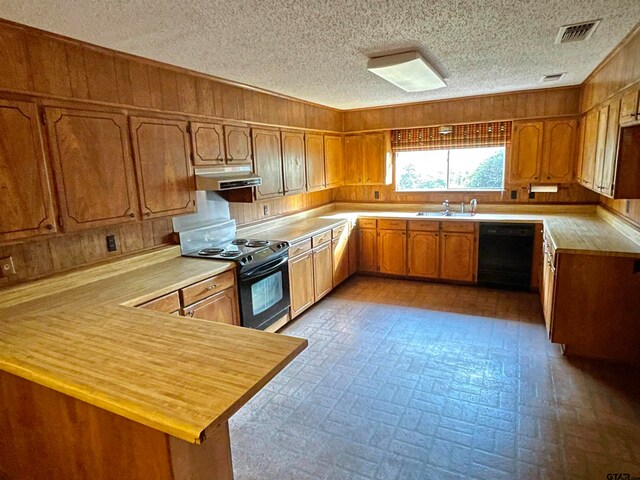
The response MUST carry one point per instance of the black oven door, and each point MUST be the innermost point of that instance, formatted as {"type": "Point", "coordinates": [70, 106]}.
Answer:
{"type": "Point", "coordinates": [264, 294]}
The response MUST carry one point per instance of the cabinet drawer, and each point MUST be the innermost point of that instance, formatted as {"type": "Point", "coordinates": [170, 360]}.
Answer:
{"type": "Point", "coordinates": [424, 226]}
{"type": "Point", "coordinates": [384, 224]}
{"type": "Point", "coordinates": [458, 226]}
{"type": "Point", "coordinates": [321, 238]}
{"type": "Point", "coordinates": [367, 222]}
{"type": "Point", "coordinates": [167, 303]}
{"type": "Point", "coordinates": [338, 231]}
{"type": "Point", "coordinates": [208, 287]}
{"type": "Point", "coordinates": [299, 247]}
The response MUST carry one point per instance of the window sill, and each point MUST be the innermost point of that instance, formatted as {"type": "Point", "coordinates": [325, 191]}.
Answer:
{"type": "Point", "coordinates": [454, 190]}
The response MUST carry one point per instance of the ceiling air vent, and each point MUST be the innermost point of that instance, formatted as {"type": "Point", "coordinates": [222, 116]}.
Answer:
{"type": "Point", "coordinates": [576, 32]}
{"type": "Point", "coordinates": [554, 77]}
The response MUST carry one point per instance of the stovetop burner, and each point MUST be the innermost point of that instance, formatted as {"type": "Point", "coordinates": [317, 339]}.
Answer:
{"type": "Point", "coordinates": [230, 254]}
{"type": "Point", "coordinates": [240, 241]}
{"type": "Point", "coordinates": [210, 251]}
{"type": "Point", "coordinates": [258, 243]}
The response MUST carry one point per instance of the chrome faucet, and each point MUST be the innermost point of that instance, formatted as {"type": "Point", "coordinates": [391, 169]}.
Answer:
{"type": "Point", "coordinates": [461, 207]}
{"type": "Point", "coordinates": [473, 204]}
{"type": "Point", "coordinates": [446, 212]}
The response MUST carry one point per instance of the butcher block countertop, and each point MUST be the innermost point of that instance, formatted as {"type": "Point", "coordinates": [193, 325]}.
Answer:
{"type": "Point", "coordinates": [80, 335]}
{"type": "Point", "coordinates": [572, 229]}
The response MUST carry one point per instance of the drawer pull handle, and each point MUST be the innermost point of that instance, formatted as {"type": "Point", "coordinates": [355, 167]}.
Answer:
{"type": "Point", "coordinates": [190, 313]}
{"type": "Point", "coordinates": [211, 287]}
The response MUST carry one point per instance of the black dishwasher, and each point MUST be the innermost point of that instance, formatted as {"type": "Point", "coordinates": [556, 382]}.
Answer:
{"type": "Point", "coordinates": [505, 254]}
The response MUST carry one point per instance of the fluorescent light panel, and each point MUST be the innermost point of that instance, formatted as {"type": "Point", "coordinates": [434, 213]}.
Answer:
{"type": "Point", "coordinates": [408, 71]}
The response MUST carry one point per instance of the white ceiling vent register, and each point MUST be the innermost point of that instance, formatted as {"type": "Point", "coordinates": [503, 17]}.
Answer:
{"type": "Point", "coordinates": [576, 32]}
{"type": "Point", "coordinates": [554, 77]}
{"type": "Point", "coordinates": [408, 71]}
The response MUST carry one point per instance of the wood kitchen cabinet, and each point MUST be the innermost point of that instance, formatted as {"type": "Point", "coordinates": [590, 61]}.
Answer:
{"type": "Point", "coordinates": [424, 250]}
{"type": "Point", "coordinates": [606, 174]}
{"type": "Point", "coordinates": [629, 107]}
{"type": "Point", "coordinates": [548, 282]}
{"type": "Point", "coordinates": [163, 167]}
{"type": "Point", "coordinates": [207, 142]}
{"type": "Point", "coordinates": [323, 270]}
{"type": "Point", "coordinates": [457, 256]}
{"type": "Point", "coordinates": [333, 160]}
{"type": "Point", "coordinates": [301, 282]}
{"type": "Point", "coordinates": [543, 151]}
{"type": "Point", "coordinates": [293, 162]}
{"type": "Point", "coordinates": [27, 200]}
{"type": "Point", "coordinates": [169, 303]}
{"type": "Point", "coordinates": [237, 141]}
{"type": "Point", "coordinates": [340, 248]}
{"type": "Point", "coordinates": [267, 162]}
{"type": "Point", "coordinates": [392, 247]}
{"type": "Point", "coordinates": [588, 168]}
{"type": "Point", "coordinates": [368, 249]}
{"type": "Point", "coordinates": [601, 141]}
{"type": "Point", "coordinates": [353, 249]}
{"type": "Point", "coordinates": [367, 159]}
{"type": "Point", "coordinates": [221, 307]}
{"type": "Point", "coordinates": [314, 158]}
{"type": "Point", "coordinates": [92, 167]}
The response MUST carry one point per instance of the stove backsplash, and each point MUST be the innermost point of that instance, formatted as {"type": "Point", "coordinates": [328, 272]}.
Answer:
{"type": "Point", "coordinates": [207, 236]}
{"type": "Point", "coordinates": [211, 209]}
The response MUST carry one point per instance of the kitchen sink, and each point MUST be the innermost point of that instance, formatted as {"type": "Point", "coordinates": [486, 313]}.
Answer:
{"type": "Point", "coordinates": [442, 214]}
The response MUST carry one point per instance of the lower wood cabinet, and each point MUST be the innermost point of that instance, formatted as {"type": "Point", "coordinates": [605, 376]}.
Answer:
{"type": "Point", "coordinates": [457, 257]}
{"type": "Point", "coordinates": [301, 282]}
{"type": "Point", "coordinates": [392, 252]}
{"type": "Point", "coordinates": [548, 283]}
{"type": "Point", "coordinates": [368, 250]}
{"type": "Point", "coordinates": [221, 307]}
{"type": "Point", "coordinates": [169, 303]}
{"type": "Point", "coordinates": [424, 258]}
{"type": "Point", "coordinates": [323, 270]}
{"type": "Point", "coordinates": [340, 249]}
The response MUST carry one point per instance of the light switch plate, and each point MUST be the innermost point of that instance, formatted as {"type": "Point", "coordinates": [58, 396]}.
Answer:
{"type": "Point", "coordinates": [6, 267]}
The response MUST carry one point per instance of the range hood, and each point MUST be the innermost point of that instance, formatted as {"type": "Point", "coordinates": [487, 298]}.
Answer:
{"type": "Point", "coordinates": [226, 178]}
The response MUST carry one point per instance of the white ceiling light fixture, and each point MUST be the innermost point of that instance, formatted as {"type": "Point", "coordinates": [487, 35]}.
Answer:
{"type": "Point", "coordinates": [408, 71]}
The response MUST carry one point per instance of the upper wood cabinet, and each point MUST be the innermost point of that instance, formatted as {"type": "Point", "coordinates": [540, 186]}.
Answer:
{"type": "Point", "coordinates": [629, 107]}
{"type": "Point", "coordinates": [367, 159]}
{"type": "Point", "coordinates": [457, 256]}
{"type": "Point", "coordinates": [293, 163]}
{"type": "Point", "coordinates": [608, 172]}
{"type": "Point", "coordinates": [161, 154]}
{"type": "Point", "coordinates": [314, 157]}
{"type": "Point", "coordinates": [601, 142]}
{"type": "Point", "coordinates": [558, 156]}
{"type": "Point", "coordinates": [207, 141]}
{"type": "Point", "coordinates": [589, 140]}
{"type": "Point", "coordinates": [392, 252]}
{"type": "Point", "coordinates": [92, 167]}
{"type": "Point", "coordinates": [267, 162]}
{"type": "Point", "coordinates": [526, 152]}
{"type": "Point", "coordinates": [333, 160]}
{"type": "Point", "coordinates": [27, 202]}
{"type": "Point", "coordinates": [543, 151]}
{"type": "Point", "coordinates": [237, 144]}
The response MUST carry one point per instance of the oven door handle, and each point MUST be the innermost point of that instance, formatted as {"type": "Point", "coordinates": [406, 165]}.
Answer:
{"type": "Point", "coordinates": [265, 269]}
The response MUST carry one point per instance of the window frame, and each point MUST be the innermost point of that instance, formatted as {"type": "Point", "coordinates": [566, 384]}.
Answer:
{"type": "Point", "coordinates": [445, 190]}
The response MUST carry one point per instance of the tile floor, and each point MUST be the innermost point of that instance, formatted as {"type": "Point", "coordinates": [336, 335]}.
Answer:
{"type": "Point", "coordinates": [411, 380]}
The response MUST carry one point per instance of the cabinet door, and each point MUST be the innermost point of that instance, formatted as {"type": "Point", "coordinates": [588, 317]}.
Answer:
{"type": "Point", "coordinates": [392, 252]}
{"type": "Point", "coordinates": [340, 248]}
{"type": "Point", "coordinates": [293, 162]}
{"type": "Point", "coordinates": [526, 152]}
{"type": "Point", "coordinates": [353, 160]}
{"type": "Point", "coordinates": [589, 149]}
{"type": "Point", "coordinates": [353, 251]}
{"type": "Point", "coordinates": [92, 168]}
{"type": "Point", "coordinates": [333, 160]}
{"type": "Point", "coordinates": [207, 141]}
{"type": "Point", "coordinates": [610, 150]}
{"type": "Point", "coordinates": [301, 283]}
{"type": "Point", "coordinates": [368, 250]}
{"type": "Point", "coordinates": [237, 144]}
{"type": "Point", "coordinates": [423, 254]}
{"type": "Point", "coordinates": [559, 150]}
{"type": "Point", "coordinates": [457, 256]}
{"type": "Point", "coordinates": [375, 162]}
{"type": "Point", "coordinates": [601, 143]}
{"type": "Point", "coordinates": [27, 202]}
{"type": "Point", "coordinates": [161, 153]}
{"type": "Point", "coordinates": [314, 157]}
{"type": "Point", "coordinates": [267, 162]}
{"type": "Point", "coordinates": [221, 307]}
{"type": "Point", "coordinates": [322, 270]}
{"type": "Point", "coordinates": [629, 107]}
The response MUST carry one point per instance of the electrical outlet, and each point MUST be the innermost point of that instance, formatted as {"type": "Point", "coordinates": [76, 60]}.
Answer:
{"type": "Point", "coordinates": [627, 207]}
{"type": "Point", "coordinates": [111, 243]}
{"type": "Point", "coordinates": [514, 194]}
{"type": "Point", "coordinates": [265, 210]}
{"type": "Point", "coordinates": [376, 195]}
{"type": "Point", "coordinates": [6, 267]}
{"type": "Point", "coordinates": [532, 195]}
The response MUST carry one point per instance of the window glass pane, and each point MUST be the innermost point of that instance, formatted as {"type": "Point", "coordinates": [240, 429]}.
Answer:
{"type": "Point", "coordinates": [476, 168]}
{"type": "Point", "coordinates": [421, 170]}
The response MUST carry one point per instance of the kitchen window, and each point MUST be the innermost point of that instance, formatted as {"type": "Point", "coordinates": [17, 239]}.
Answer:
{"type": "Point", "coordinates": [478, 168]}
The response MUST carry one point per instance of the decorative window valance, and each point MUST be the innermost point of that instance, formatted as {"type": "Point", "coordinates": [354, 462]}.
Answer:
{"type": "Point", "coordinates": [462, 136]}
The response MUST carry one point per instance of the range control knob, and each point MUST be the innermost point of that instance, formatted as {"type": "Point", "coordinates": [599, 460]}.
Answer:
{"type": "Point", "coordinates": [248, 258]}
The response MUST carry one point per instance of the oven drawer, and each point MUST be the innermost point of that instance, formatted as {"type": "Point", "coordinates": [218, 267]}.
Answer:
{"type": "Point", "coordinates": [206, 288]}
{"type": "Point", "coordinates": [299, 248]}
{"type": "Point", "coordinates": [321, 238]}
{"type": "Point", "coordinates": [168, 303]}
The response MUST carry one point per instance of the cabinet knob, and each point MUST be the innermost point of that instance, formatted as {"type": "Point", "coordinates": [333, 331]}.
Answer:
{"type": "Point", "coordinates": [548, 177]}
{"type": "Point", "coordinates": [190, 313]}
{"type": "Point", "coordinates": [147, 214]}
{"type": "Point", "coordinates": [132, 215]}
{"type": "Point", "coordinates": [211, 287]}
{"type": "Point", "coordinates": [49, 226]}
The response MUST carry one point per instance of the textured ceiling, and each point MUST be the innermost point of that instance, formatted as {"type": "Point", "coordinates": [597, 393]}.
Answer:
{"type": "Point", "coordinates": [318, 50]}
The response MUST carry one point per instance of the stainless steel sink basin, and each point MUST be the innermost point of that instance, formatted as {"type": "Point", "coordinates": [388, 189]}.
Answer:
{"type": "Point", "coordinates": [442, 214]}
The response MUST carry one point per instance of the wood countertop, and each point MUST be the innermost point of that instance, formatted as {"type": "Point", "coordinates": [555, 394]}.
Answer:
{"type": "Point", "coordinates": [573, 229]}
{"type": "Point", "coordinates": [78, 334]}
